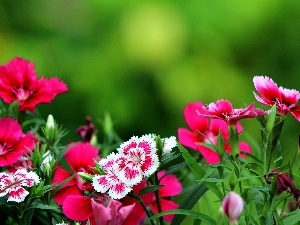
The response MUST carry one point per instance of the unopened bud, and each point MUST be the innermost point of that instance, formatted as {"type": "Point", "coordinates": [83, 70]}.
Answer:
{"type": "Point", "coordinates": [233, 206]}
{"type": "Point", "coordinates": [50, 121]}
{"type": "Point", "coordinates": [85, 176]}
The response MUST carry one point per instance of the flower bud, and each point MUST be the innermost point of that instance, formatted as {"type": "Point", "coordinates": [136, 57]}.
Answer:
{"type": "Point", "coordinates": [50, 121]}
{"type": "Point", "coordinates": [232, 206]}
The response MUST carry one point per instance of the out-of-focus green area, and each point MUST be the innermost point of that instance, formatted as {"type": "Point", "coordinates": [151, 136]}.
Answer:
{"type": "Point", "coordinates": [143, 61]}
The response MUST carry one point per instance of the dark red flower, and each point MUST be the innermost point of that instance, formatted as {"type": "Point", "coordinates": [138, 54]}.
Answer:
{"type": "Point", "coordinates": [87, 131]}
{"type": "Point", "coordinates": [19, 82]}
{"type": "Point", "coordinates": [13, 142]}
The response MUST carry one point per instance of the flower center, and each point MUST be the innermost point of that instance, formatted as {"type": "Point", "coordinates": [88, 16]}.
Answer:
{"type": "Point", "coordinates": [22, 94]}
{"type": "Point", "coordinates": [4, 149]}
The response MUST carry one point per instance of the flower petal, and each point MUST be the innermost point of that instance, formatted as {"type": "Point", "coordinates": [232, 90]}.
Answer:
{"type": "Point", "coordinates": [77, 207]}
{"type": "Point", "coordinates": [17, 194]}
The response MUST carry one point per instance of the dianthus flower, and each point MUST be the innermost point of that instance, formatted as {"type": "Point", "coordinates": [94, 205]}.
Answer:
{"type": "Point", "coordinates": [13, 184]}
{"type": "Point", "coordinates": [141, 159]}
{"type": "Point", "coordinates": [13, 142]}
{"type": "Point", "coordinates": [80, 158]}
{"type": "Point", "coordinates": [111, 181]}
{"type": "Point", "coordinates": [205, 131]}
{"type": "Point", "coordinates": [286, 100]}
{"type": "Point", "coordinates": [19, 82]}
{"type": "Point", "coordinates": [223, 110]}
{"type": "Point", "coordinates": [99, 211]}
{"type": "Point", "coordinates": [171, 187]}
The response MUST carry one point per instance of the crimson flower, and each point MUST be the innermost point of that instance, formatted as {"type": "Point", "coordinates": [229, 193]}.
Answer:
{"type": "Point", "coordinates": [12, 184]}
{"type": "Point", "coordinates": [99, 211]}
{"type": "Point", "coordinates": [13, 142]}
{"type": "Point", "coordinates": [205, 131]}
{"type": "Point", "coordinates": [80, 158]}
{"type": "Point", "coordinates": [19, 82]}
{"type": "Point", "coordinates": [286, 100]}
{"type": "Point", "coordinates": [223, 110]}
{"type": "Point", "coordinates": [172, 187]}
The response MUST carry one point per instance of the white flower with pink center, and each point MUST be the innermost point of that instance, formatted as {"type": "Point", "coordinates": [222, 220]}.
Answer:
{"type": "Point", "coordinates": [141, 159]}
{"type": "Point", "coordinates": [110, 182]}
{"type": "Point", "coordinates": [12, 184]}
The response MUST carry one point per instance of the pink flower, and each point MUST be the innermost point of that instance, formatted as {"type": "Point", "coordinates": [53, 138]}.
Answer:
{"type": "Point", "coordinates": [172, 187]}
{"type": "Point", "coordinates": [99, 211]}
{"type": "Point", "coordinates": [19, 82]}
{"type": "Point", "coordinates": [205, 130]}
{"type": "Point", "coordinates": [112, 180]}
{"type": "Point", "coordinates": [13, 142]}
{"type": "Point", "coordinates": [80, 157]}
{"type": "Point", "coordinates": [12, 184]}
{"type": "Point", "coordinates": [141, 159]}
{"type": "Point", "coordinates": [286, 100]}
{"type": "Point", "coordinates": [223, 110]}
{"type": "Point", "coordinates": [233, 206]}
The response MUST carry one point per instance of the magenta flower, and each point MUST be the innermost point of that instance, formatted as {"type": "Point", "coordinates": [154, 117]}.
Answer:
{"type": "Point", "coordinates": [12, 184]}
{"type": "Point", "coordinates": [141, 159]}
{"type": "Point", "coordinates": [223, 110]}
{"type": "Point", "coordinates": [172, 187]}
{"type": "Point", "coordinates": [233, 206]}
{"type": "Point", "coordinates": [286, 100]}
{"type": "Point", "coordinates": [80, 157]}
{"type": "Point", "coordinates": [13, 142]}
{"type": "Point", "coordinates": [99, 211]}
{"type": "Point", "coordinates": [19, 82]}
{"type": "Point", "coordinates": [111, 180]}
{"type": "Point", "coordinates": [205, 131]}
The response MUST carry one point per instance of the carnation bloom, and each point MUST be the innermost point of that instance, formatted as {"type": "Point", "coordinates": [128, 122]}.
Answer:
{"type": "Point", "coordinates": [286, 100]}
{"type": "Point", "coordinates": [205, 131]}
{"type": "Point", "coordinates": [233, 206]}
{"type": "Point", "coordinates": [99, 211]}
{"type": "Point", "coordinates": [223, 110]}
{"type": "Point", "coordinates": [13, 184]}
{"type": "Point", "coordinates": [111, 180]}
{"type": "Point", "coordinates": [171, 188]}
{"type": "Point", "coordinates": [19, 82]}
{"type": "Point", "coordinates": [80, 158]}
{"type": "Point", "coordinates": [141, 158]}
{"type": "Point", "coordinates": [13, 142]}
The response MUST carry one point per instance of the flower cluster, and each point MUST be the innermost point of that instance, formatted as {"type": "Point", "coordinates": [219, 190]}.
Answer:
{"type": "Point", "coordinates": [146, 179]}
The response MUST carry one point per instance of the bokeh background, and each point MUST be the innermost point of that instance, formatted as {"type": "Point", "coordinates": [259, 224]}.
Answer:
{"type": "Point", "coordinates": [143, 61]}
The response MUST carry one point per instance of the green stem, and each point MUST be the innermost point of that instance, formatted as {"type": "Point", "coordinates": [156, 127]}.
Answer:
{"type": "Point", "coordinates": [161, 220]}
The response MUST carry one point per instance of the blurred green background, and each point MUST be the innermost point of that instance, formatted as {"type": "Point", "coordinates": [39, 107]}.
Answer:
{"type": "Point", "coordinates": [143, 61]}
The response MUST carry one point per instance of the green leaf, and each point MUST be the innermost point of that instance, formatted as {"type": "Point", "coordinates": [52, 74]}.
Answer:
{"type": "Point", "coordinates": [198, 171]}
{"type": "Point", "coordinates": [186, 213]}
{"type": "Point", "coordinates": [291, 218]}
{"type": "Point", "coordinates": [173, 169]}
{"type": "Point", "coordinates": [189, 201]}
{"type": "Point", "coordinates": [27, 217]}
{"type": "Point", "coordinates": [149, 189]}
{"type": "Point", "coordinates": [42, 206]}
{"type": "Point", "coordinates": [271, 119]}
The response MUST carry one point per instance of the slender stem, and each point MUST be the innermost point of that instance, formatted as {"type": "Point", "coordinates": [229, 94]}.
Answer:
{"type": "Point", "coordinates": [161, 220]}
{"type": "Point", "coordinates": [139, 199]}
